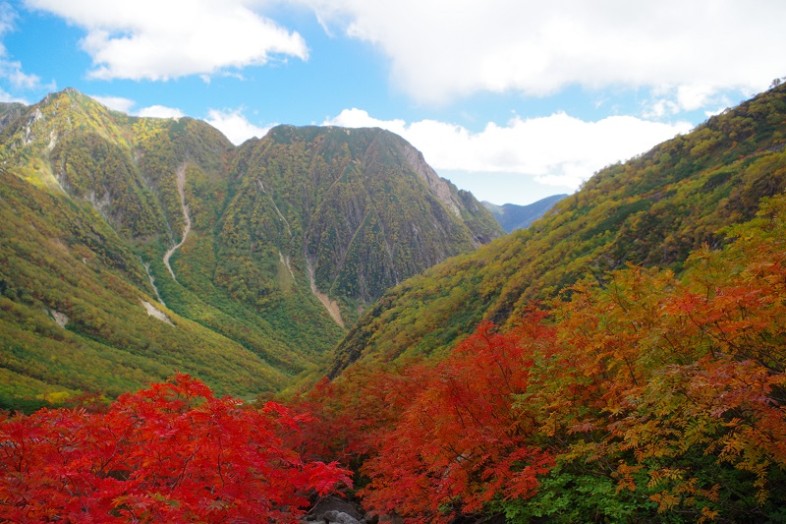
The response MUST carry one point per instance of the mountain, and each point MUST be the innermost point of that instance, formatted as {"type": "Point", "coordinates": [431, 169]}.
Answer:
{"type": "Point", "coordinates": [357, 210]}
{"type": "Point", "coordinates": [133, 248]}
{"type": "Point", "coordinates": [513, 216]}
{"type": "Point", "coordinates": [652, 210]}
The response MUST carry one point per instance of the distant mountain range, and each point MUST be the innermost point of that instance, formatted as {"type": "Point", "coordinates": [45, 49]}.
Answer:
{"type": "Point", "coordinates": [136, 247]}
{"type": "Point", "coordinates": [513, 216]}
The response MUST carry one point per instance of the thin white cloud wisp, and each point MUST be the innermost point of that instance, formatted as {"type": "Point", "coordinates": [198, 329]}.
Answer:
{"type": "Point", "coordinates": [10, 69]}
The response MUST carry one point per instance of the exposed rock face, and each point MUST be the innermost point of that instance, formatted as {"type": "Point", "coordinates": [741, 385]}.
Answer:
{"type": "Point", "coordinates": [61, 319]}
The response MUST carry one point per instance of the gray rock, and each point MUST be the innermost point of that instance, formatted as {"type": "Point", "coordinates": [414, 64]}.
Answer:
{"type": "Point", "coordinates": [335, 510]}
{"type": "Point", "coordinates": [338, 517]}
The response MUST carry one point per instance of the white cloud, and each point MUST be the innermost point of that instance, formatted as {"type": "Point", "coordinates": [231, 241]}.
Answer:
{"type": "Point", "coordinates": [360, 118]}
{"type": "Point", "coordinates": [670, 101]}
{"type": "Point", "coordinates": [443, 49]}
{"type": "Point", "coordinates": [124, 105]}
{"type": "Point", "coordinates": [234, 125]}
{"type": "Point", "coordinates": [7, 97]}
{"type": "Point", "coordinates": [158, 111]}
{"type": "Point", "coordinates": [558, 150]}
{"type": "Point", "coordinates": [11, 70]}
{"type": "Point", "coordinates": [160, 40]}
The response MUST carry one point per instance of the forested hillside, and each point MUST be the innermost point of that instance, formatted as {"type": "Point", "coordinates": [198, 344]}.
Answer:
{"type": "Point", "coordinates": [623, 360]}
{"type": "Point", "coordinates": [641, 397]}
{"type": "Point", "coordinates": [358, 210]}
{"type": "Point", "coordinates": [652, 210]}
{"type": "Point", "coordinates": [133, 248]}
{"type": "Point", "coordinates": [647, 397]}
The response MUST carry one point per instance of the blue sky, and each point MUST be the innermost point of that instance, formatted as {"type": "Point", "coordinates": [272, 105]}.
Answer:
{"type": "Point", "coordinates": [513, 100]}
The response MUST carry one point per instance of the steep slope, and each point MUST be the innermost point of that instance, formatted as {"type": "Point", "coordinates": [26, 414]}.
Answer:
{"type": "Point", "coordinates": [79, 312]}
{"type": "Point", "coordinates": [356, 211]}
{"type": "Point", "coordinates": [9, 112]}
{"type": "Point", "coordinates": [652, 210]}
{"type": "Point", "coordinates": [133, 248]}
{"type": "Point", "coordinates": [512, 216]}
{"type": "Point", "coordinates": [76, 315]}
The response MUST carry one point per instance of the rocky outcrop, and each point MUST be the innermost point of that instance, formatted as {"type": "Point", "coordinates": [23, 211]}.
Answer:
{"type": "Point", "coordinates": [333, 510]}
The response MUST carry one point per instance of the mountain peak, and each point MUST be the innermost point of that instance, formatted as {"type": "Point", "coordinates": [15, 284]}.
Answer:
{"type": "Point", "coordinates": [512, 216]}
{"type": "Point", "coordinates": [72, 99]}
{"type": "Point", "coordinates": [371, 211]}
{"type": "Point", "coordinates": [39, 128]}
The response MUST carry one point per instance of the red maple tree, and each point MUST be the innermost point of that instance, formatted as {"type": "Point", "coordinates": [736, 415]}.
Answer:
{"type": "Point", "coordinates": [171, 453]}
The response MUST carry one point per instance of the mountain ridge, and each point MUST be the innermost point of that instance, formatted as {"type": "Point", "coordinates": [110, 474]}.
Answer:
{"type": "Point", "coordinates": [126, 189]}
{"type": "Point", "coordinates": [652, 210]}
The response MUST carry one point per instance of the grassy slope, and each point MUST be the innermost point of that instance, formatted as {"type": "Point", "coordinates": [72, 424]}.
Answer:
{"type": "Point", "coordinates": [59, 256]}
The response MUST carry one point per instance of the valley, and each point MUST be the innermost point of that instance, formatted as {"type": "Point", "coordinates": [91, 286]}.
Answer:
{"type": "Point", "coordinates": [260, 255]}
{"type": "Point", "coordinates": [385, 262]}
{"type": "Point", "coordinates": [319, 305]}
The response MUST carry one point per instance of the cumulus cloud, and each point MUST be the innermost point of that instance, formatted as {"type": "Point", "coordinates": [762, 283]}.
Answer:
{"type": "Point", "coordinates": [11, 70]}
{"type": "Point", "coordinates": [441, 49]}
{"type": "Point", "coordinates": [558, 150]}
{"type": "Point", "coordinates": [118, 103]}
{"type": "Point", "coordinates": [234, 125]}
{"type": "Point", "coordinates": [160, 40]}
{"type": "Point", "coordinates": [159, 111]}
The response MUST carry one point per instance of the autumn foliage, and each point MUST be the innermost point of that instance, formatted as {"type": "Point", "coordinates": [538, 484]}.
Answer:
{"type": "Point", "coordinates": [636, 397]}
{"type": "Point", "coordinates": [171, 453]}
{"type": "Point", "coordinates": [643, 396]}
